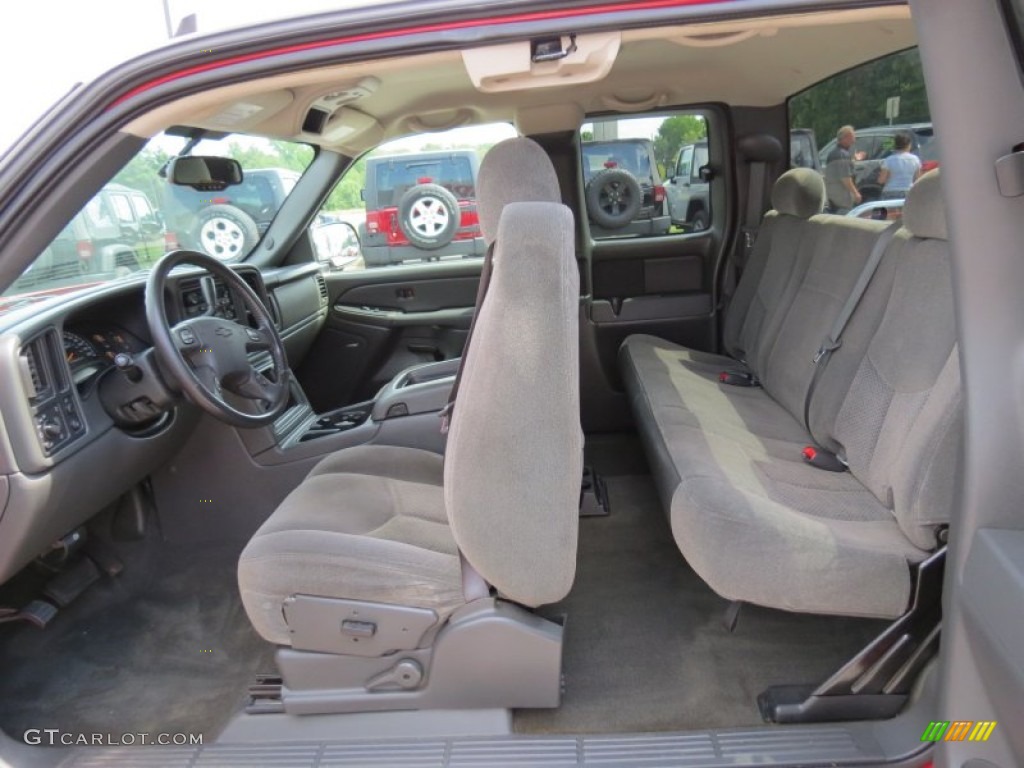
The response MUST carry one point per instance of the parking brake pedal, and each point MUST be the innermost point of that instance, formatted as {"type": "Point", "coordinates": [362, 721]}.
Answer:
{"type": "Point", "coordinates": [593, 495]}
{"type": "Point", "coordinates": [67, 585]}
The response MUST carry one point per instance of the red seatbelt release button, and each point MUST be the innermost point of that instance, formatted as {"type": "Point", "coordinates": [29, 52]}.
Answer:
{"type": "Point", "coordinates": [823, 459]}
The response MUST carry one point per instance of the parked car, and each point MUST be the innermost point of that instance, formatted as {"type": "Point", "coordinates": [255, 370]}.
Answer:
{"type": "Point", "coordinates": [116, 233]}
{"type": "Point", "coordinates": [880, 210]}
{"type": "Point", "coordinates": [623, 189]}
{"type": "Point", "coordinates": [421, 207]}
{"type": "Point", "coordinates": [803, 149]}
{"type": "Point", "coordinates": [227, 224]}
{"type": "Point", "coordinates": [688, 190]}
{"type": "Point", "coordinates": [874, 144]}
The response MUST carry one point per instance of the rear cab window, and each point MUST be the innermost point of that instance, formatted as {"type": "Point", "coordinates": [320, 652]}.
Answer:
{"type": "Point", "coordinates": [643, 177]}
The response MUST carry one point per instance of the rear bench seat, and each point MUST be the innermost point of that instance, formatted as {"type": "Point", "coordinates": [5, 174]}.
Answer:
{"type": "Point", "coordinates": [756, 521]}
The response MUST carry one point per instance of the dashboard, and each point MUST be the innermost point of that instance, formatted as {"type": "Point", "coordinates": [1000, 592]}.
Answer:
{"type": "Point", "coordinates": [64, 453]}
{"type": "Point", "coordinates": [89, 351]}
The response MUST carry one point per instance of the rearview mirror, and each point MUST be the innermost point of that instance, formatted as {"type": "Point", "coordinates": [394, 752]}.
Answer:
{"type": "Point", "coordinates": [205, 173]}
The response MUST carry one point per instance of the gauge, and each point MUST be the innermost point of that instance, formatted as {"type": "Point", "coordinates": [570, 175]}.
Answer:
{"type": "Point", "coordinates": [78, 349]}
{"type": "Point", "coordinates": [112, 342]}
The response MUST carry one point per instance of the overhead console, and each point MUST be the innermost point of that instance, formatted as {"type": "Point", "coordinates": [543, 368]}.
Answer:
{"type": "Point", "coordinates": [557, 60]}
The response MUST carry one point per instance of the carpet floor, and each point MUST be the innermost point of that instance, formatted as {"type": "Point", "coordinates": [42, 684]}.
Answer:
{"type": "Point", "coordinates": [166, 647]}
{"type": "Point", "coordinates": [645, 646]}
{"type": "Point", "coordinates": [163, 648]}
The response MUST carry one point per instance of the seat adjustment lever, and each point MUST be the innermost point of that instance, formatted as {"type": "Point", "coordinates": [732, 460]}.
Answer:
{"type": "Point", "coordinates": [406, 674]}
{"type": "Point", "coordinates": [354, 628]}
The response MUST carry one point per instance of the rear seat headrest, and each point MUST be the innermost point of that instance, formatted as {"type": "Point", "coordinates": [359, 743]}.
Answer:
{"type": "Point", "coordinates": [513, 171]}
{"type": "Point", "coordinates": [799, 192]}
{"type": "Point", "coordinates": [924, 212]}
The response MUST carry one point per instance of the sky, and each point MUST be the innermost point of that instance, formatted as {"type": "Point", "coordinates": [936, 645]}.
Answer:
{"type": "Point", "coordinates": [46, 46]}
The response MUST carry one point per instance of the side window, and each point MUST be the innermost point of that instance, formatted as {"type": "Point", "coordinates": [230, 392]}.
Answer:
{"type": "Point", "coordinates": [700, 159]}
{"type": "Point", "coordinates": [640, 175]}
{"type": "Point", "coordinates": [122, 208]}
{"type": "Point", "coordinates": [885, 104]}
{"type": "Point", "coordinates": [685, 163]}
{"type": "Point", "coordinates": [97, 213]}
{"type": "Point", "coordinates": [864, 148]}
{"type": "Point", "coordinates": [410, 201]}
{"type": "Point", "coordinates": [142, 206]}
{"type": "Point", "coordinates": [885, 146]}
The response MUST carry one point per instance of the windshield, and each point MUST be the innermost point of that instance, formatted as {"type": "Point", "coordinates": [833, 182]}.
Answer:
{"type": "Point", "coordinates": [138, 216]}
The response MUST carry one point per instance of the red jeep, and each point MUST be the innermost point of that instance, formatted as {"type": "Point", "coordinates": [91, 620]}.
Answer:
{"type": "Point", "coordinates": [420, 207]}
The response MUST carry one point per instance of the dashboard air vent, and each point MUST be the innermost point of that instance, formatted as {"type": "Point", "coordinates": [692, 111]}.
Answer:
{"type": "Point", "coordinates": [42, 366]}
{"type": "Point", "coordinates": [34, 370]}
{"type": "Point", "coordinates": [321, 283]}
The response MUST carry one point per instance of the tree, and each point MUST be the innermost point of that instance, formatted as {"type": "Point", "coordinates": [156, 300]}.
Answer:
{"type": "Point", "coordinates": [142, 173]}
{"type": "Point", "coordinates": [857, 97]}
{"type": "Point", "coordinates": [347, 193]}
{"type": "Point", "coordinates": [673, 133]}
{"type": "Point", "coordinates": [273, 154]}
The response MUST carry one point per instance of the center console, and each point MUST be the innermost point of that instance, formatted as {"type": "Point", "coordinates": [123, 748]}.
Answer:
{"type": "Point", "coordinates": [405, 412]}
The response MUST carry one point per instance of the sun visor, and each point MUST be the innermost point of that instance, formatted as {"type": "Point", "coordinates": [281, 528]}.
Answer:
{"type": "Point", "coordinates": [542, 62]}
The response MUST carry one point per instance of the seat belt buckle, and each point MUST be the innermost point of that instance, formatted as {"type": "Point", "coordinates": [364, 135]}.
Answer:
{"type": "Point", "coordinates": [445, 414]}
{"type": "Point", "coordinates": [826, 460]}
{"type": "Point", "coordinates": [827, 347]}
{"type": "Point", "coordinates": [738, 379]}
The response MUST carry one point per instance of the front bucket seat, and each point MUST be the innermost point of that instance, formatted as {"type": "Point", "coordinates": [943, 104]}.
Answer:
{"type": "Point", "coordinates": [395, 578]}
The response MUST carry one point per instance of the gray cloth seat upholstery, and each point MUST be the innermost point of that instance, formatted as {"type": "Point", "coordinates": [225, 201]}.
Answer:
{"type": "Point", "coordinates": [754, 520]}
{"type": "Point", "coordinates": [392, 525]}
{"type": "Point", "coordinates": [367, 523]}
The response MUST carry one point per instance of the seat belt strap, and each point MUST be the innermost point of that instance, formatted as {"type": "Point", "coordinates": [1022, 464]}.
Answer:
{"type": "Point", "coordinates": [474, 586]}
{"type": "Point", "coordinates": [834, 339]}
{"type": "Point", "coordinates": [481, 292]}
{"type": "Point", "coordinates": [755, 208]}
{"type": "Point", "coordinates": [748, 232]}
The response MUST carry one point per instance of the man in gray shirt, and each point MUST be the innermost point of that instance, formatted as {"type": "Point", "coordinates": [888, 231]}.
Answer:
{"type": "Point", "coordinates": [839, 185]}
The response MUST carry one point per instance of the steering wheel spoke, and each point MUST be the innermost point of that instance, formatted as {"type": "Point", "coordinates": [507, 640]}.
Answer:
{"type": "Point", "coordinates": [257, 339]}
{"type": "Point", "coordinates": [207, 375]}
{"type": "Point", "coordinates": [185, 338]}
{"type": "Point", "coordinates": [255, 386]}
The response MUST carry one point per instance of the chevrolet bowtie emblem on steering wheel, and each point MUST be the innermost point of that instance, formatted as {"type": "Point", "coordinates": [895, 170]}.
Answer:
{"type": "Point", "coordinates": [223, 331]}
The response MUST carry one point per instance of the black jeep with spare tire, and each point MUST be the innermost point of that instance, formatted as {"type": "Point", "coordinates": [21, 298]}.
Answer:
{"type": "Point", "coordinates": [624, 193]}
{"type": "Point", "coordinates": [421, 207]}
{"type": "Point", "coordinates": [228, 224]}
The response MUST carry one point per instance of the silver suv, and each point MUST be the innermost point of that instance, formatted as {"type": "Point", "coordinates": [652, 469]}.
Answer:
{"type": "Point", "coordinates": [874, 144]}
{"type": "Point", "coordinates": [689, 190]}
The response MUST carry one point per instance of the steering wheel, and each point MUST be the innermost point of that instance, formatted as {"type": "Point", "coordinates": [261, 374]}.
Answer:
{"type": "Point", "coordinates": [208, 355]}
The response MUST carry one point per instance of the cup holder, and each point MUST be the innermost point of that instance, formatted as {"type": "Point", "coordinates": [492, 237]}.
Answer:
{"type": "Point", "coordinates": [337, 421]}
